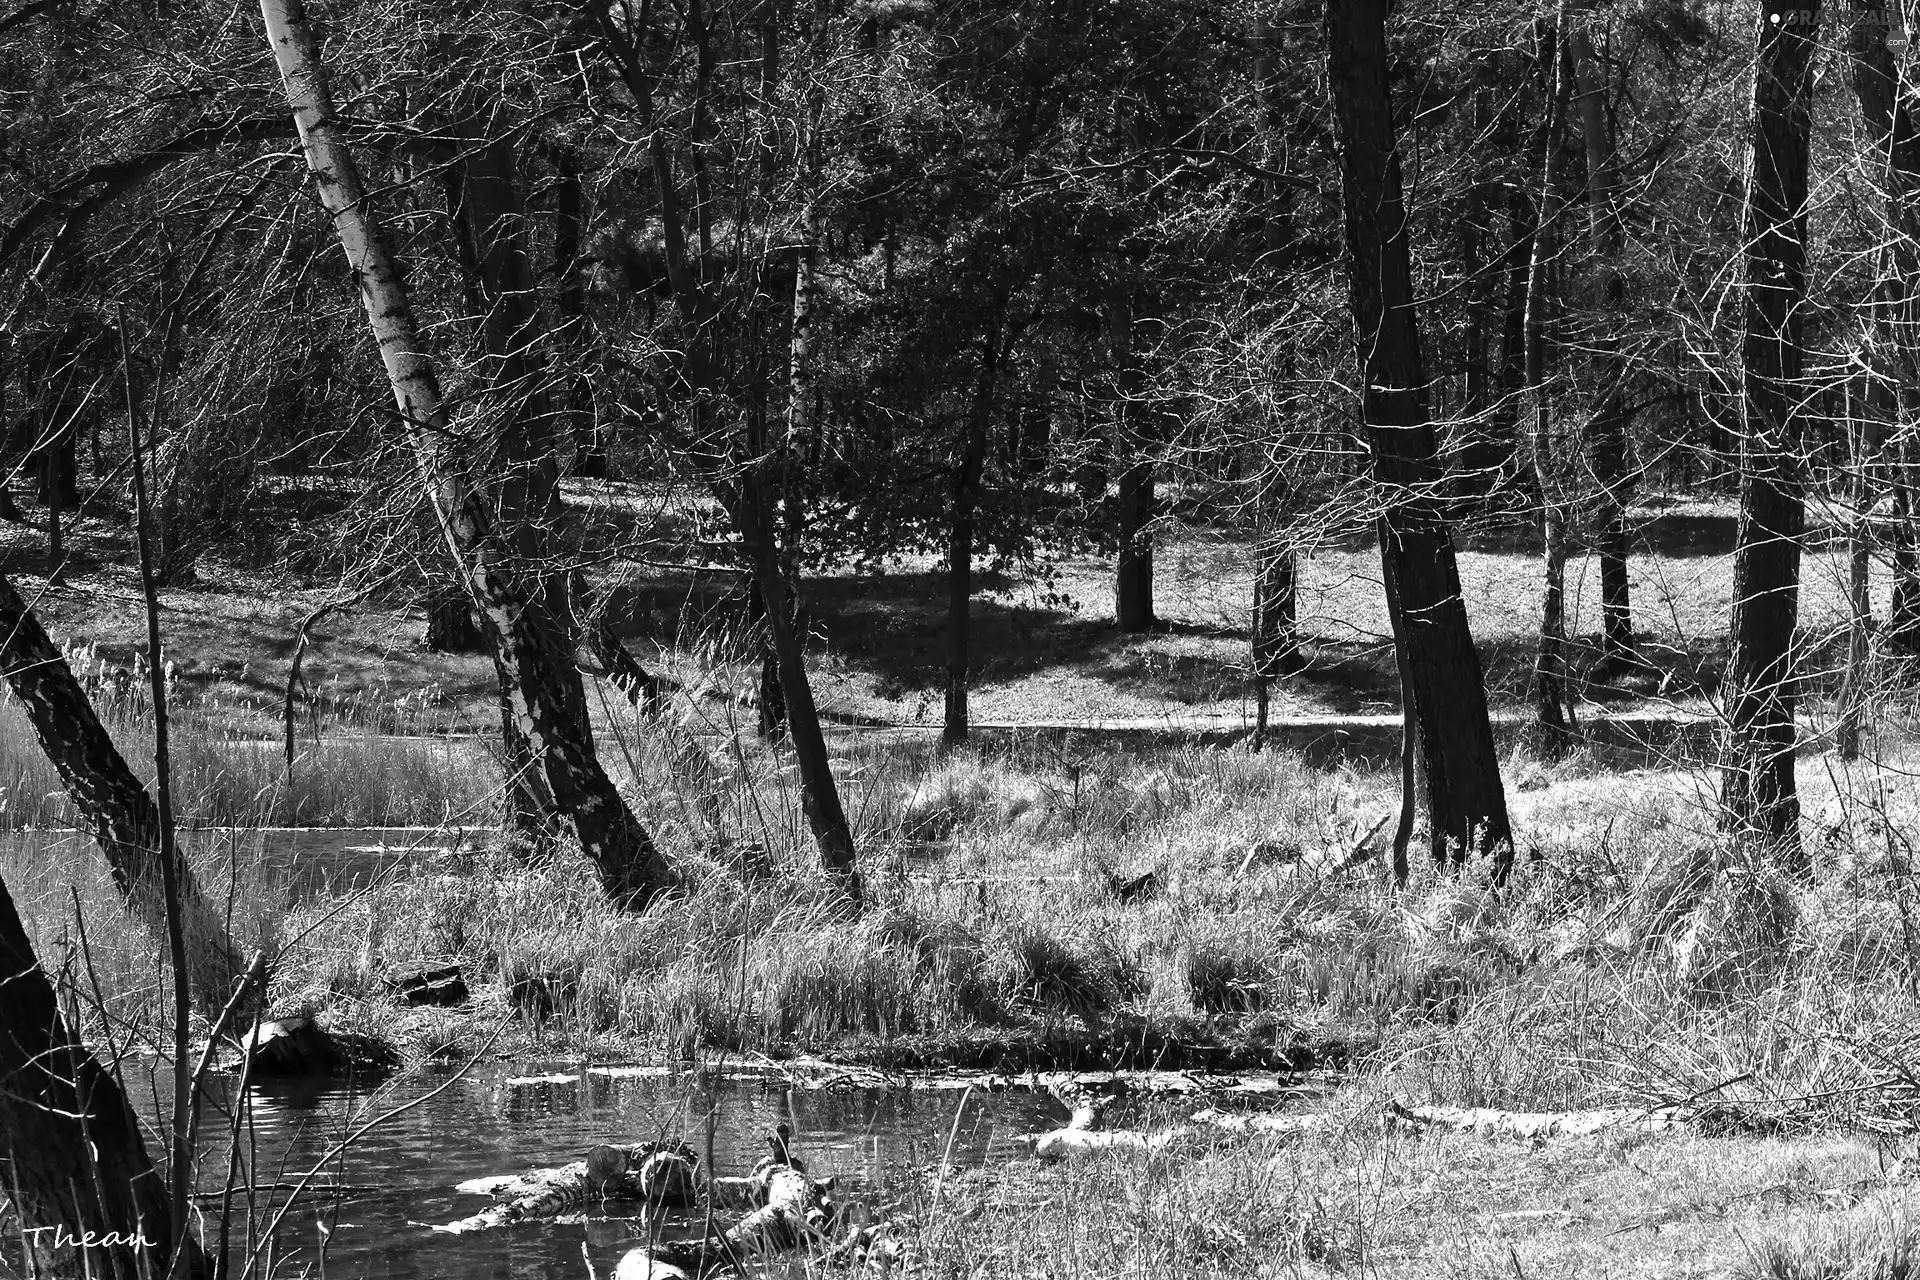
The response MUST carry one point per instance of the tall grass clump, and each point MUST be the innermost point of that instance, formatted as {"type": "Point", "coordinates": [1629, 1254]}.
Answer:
{"type": "Point", "coordinates": [1877, 1243]}
{"type": "Point", "coordinates": [349, 775]}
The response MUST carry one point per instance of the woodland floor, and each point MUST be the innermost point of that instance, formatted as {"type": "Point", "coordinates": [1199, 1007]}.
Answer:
{"type": "Point", "coordinates": [1045, 653]}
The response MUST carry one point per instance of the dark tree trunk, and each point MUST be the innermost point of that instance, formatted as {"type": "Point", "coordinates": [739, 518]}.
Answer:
{"type": "Point", "coordinates": [110, 800]}
{"type": "Point", "coordinates": [819, 796]}
{"type": "Point", "coordinates": [1276, 641]}
{"type": "Point", "coordinates": [1133, 572]}
{"type": "Point", "coordinates": [1465, 796]}
{"type": "Point", "coordinates": [1895, 133]}
{"type": "Point", "coordinates": [590, 444]}
{"type": "Point", "coordinates": [451, 626]}
{"type": "Point", "coordinates": [966, 500]}
{"type": "Point", "coordinates": [71, 1156]}
{"type": "Point", "coordinates": [1553, 721]}
{"type": "Point", "coordinates": [1757, 789]}
{"type": "Point", "coordinates": [1869, 410]}
{"type": "Point", "coordinates": [1607, 436]}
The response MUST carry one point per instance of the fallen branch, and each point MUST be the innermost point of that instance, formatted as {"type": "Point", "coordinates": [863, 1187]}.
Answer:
{"type": "Point", "coordinates": [1490, 1122]}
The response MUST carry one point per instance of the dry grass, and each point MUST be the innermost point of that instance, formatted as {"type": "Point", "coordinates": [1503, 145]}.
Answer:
{"type": "Point", "coordinates": [1363, 1201]}
{"type": "Point", "coordinates": [356, 763]}
{"type": "Point", "coordinates": [1633, 959]}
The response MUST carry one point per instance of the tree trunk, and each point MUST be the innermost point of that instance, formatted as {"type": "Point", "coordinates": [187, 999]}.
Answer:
{"type": "Point", "coordinates": [1895, 133]}
{"type": "Point", "coordinates": [1867, 415]}
{"type": "Point", "coordinates": [71, 1156]}
{"type": "Point", "coordinates": [1757, 787]}
{"type": "Point", "coordinates": [1133, 572]}
{"type": "Point", "coordinates": [1275, 636]}
{"type": "Point", "coordinates": [966, 498]}
{"type": "Point", "coordinates": [591, 446]}
{"type": "Point", "coordinates": [110, 800]}
{"type": "Point", "coordinates": [819, 796]}
{"type": "Point", "coordinates": [451, 626]}
{"type": "Point", "coordinates": [1133, 568]}
{"type": "Point", "coordinates": [1552, 720]}
{"type": "Point", "coordinates": [1607, 434]}
{"type": "Point", "coordinates": [1464, 793]}
{"type": "Point", "coordinates": [540, 687]}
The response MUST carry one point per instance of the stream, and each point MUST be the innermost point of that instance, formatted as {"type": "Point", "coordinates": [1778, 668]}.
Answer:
{"type": "Point", "coordinates": [400, 1175]}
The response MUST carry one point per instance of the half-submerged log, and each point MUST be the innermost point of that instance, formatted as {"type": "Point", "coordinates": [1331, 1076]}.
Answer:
{"type": "Point", "coordinates": [662, 1173]}
{"type": "Point", "coordinates": [1082, 1136]}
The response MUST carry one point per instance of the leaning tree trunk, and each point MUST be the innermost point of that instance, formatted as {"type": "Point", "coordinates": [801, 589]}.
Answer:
{"type": "Point", "coordinates": [1553, 720]}
{"type": "Point", "coordinates": [111, 801]}
{"type": "Point", "coordinates": [71, 1157]}
{"type": "Point", "coordinates": [538, 680]}
{"type": "Point", "coordinates": [1466, 800]}
{"type": "Point", "coordinates": [1757, 787]}
{"type": "Point", "coordinates": [819, 795]}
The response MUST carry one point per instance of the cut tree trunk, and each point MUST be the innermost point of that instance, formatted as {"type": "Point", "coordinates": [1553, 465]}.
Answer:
{"type": "Point", "coordinates": [71, 1157]}
{"type": "Point", "coordinates": [540, 686]}
{"type": "Point", "coordinates": [1465, 797]}
{"type": "Point", "coordinates": [1757, 789]}
{"type": "Point", "coordinates": [111, 801]}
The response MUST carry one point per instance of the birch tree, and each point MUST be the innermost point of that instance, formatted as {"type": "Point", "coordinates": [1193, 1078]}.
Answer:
{"type": "Point", "coordinates": [540, 688]}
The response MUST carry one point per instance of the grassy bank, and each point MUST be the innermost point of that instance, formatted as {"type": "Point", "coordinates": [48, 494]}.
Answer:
{"type": "Point", "coordinates": [1633, 959]}
{"type": "Point", "coordinates": [1630, 958]}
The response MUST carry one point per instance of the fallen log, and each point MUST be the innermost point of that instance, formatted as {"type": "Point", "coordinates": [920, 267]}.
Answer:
{"type": "Point", "coordinates": [1490, 1122]}
{"type": "Point", "coordinates": [794, 1211]}
{"type": "Point", "coordinates": [1082, 1135]}
{"type": "Point", "coordinates": [663, 1173]}
{"type": "Point", "coordinates": [1274, 1126]}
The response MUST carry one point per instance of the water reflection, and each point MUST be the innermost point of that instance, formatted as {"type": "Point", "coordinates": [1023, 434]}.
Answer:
{"type": "Point", "coordinates": [399, 1175]}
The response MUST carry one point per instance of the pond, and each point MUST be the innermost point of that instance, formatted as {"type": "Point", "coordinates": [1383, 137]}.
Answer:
{"type": "Point", "coordinates": [441, 1129]}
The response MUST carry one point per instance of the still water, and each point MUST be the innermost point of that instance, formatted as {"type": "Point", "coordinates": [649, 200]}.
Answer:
{"type": "Point", "coordinates": [400, 1175]}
